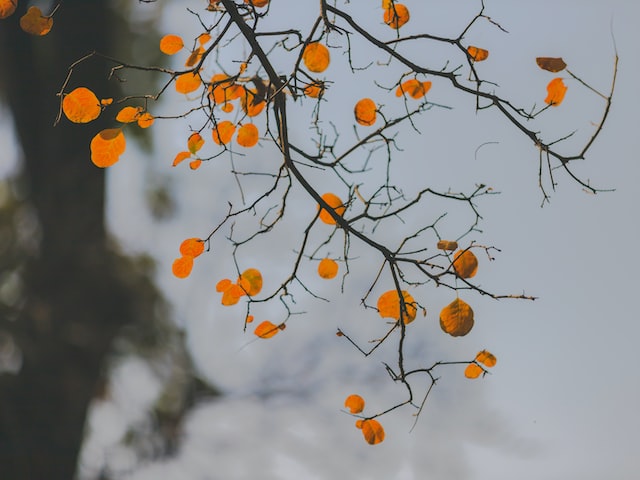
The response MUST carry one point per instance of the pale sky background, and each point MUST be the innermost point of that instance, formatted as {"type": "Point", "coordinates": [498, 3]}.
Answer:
{"type": "Point", "coordinates": [562, 401]}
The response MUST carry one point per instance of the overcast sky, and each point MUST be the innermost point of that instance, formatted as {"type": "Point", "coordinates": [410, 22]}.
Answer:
{"type": "Point", "coordinates": [561, 402]}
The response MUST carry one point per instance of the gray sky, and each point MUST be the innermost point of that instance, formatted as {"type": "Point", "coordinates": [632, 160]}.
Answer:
{"type": "Point", "coordinates": [562, 400]}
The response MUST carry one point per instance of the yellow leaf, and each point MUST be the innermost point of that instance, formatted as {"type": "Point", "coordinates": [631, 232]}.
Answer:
{"type": "Point", "coordinates": [487, 358]}
{"type": "Point", "coordinates": [556, 89]}
{"type": "Point", "coordinates": [316, 57]}
{"type": "Point", "coordinates": [372, 431]}
{"type": "Point", "coordinates": [188, 82]}
{"type": "Point", "coordinates": [477, 54]}
{"type": "Point", "coordinates": [194, 142]}
{"type": "Point", "coordinates": [182, 266]}
{"type": "Point", "coordinates": [129, 114]}
{"type": "Point", "coordinates": [171, 44]}
{"type": "Point", "coordinates": [447, 245]}
{"type": "Point", "coordinates": [355, 403]}
{"type": "Point", "coordinates": [327, 268]}
{"type": "Point", "coordinates": [334, 202]}
{"type": "Point", "coordinates": [7, 7]}
{"type": "Point", "coordinates": [251, 281]}
{"type": "Point", "coordinates": [551, 64]}
{"type": "Point", "coordinates": [35, 23]}
{"type": "Point", "coordinates": [81, 105]}
{"type": "Point", "coordinates": [365, 112]}
{"type": "Point", "coordinates": [465, 263]}
{"type": "Point", "coordinates": [473, 371]}
{"type": "Point", "coordinates": [107, 146]}
{"type": "Point", "coordinates": [456, 319]}
{"type": "Point", "coordinates": [191, 247]}
{"type": "Point", "coordinates": [396, 15]}
{"type": "Point", "coordinates": [389, 306]}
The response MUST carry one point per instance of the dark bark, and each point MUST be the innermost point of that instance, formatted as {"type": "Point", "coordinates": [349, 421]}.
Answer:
{"type": "Point", "coordinates": [77, 294]}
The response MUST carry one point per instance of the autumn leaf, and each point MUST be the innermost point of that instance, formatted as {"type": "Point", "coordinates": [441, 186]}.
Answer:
{"type": "Point", "coordinates": [180, 157]}
{"type": "Point", "coordinates": [465, 263]}
{"type": "Point", "coordinates": [81, 105]}
{"type": "Point", "coordinates": [355, 403]}
{"type": "Point", "coordinates": [195, 164]}
{"type": "Point", "coordinates": [7, 7]}
{"type": "Point", "coordinates": [396, 15]}
{"type": "Point", "coordinates": [247, 135]}
{"type": "Point", "coordinates": [551, 64]}
{"type": "Point", "coordinates": [251, 281]}
{"type": "Point", "coordinates": [477, 54]}
{"type": "Point", "coordinates": [267, 329]}
{"type": "Point", "coordinates": [192, 247]}
{"type": "Point", "coordinates": [182, 266]}
{"type": "Point", "coordinates": [389, 306]}
{"type": "Point", "coordinates": [316, 57]}
{"type": "Point", "coordinates": [129, 114]}
{"type": "Point", "coordinates": [314, 90]}
{"type": "Point", "coordinates": [414, 88]}
{"type": "Point", "coordinates": [223, 285]}
{"type": "Point", "coordinates": [35, 23]}
{"type": "Point", "coordinates": [223, 132]}
{"type": "Point", "coordinates": [194, 57]}
{"type": "Point", "coordinates": [365, 112]}
{"type": "Point", "coordinates": [556, 90]}
{"type": "Point", "coordinates": [232, 294]}
{"type": "Point", "coordinates": [145, 120]}
{"type": "Point", "coordinates": [257, 3]}
{"type": "Point", "coordinates": [194, 142]}
{"type": "Point", "coordinates": [487, 358]}
{"type": "Point", "coordinates": [171, 44]}
{"type": "Point", "coordinates": [204, 38]}
{"type": "Point", "coordinates": [372, 431]}
{"type": "Point", "coordinates": [251, 105]}
{"type": "Point", "coordinates": [334, 202]}
{"type": "Point", "coordinates": [456, 319]}
{"type": "Point", "coordinates": [188, 82]}
{"type": "Point", "coordinates": [327, 268]}
{"type": "Point", "coordinates": [473, 370]}
{"type": "Point", "coordinates": [107, 146]}
{"type": "Point", "coordinates": [447, 245]}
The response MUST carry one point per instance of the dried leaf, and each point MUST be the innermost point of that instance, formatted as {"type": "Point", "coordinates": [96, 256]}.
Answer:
{"type": "Point", "coordinates": [551, 64]}
{"type": "Point", "coordinates": [456, 319]}
{"type": "Point", "coordinates": [35, 23]}
{"type": "Point", "coordinates": [447, 245]}
{"type": "Point", "coordinates": [465, 263]}
{"type": "Point", "coordinates": [7, 7]}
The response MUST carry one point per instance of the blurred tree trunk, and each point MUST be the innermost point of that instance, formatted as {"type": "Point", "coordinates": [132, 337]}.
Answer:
{"type": "Point", "coordinates": [76, 297]}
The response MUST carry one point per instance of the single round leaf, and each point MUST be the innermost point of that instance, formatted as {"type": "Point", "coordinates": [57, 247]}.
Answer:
{"type": "Point", "coordinates": [145, 120]}
{"type": "Point", "coordinates": [473, 371]}
{"type": "Point", "coordinates": [182, 266]}
{"type": "Point", "coordinates": [107, 146]}
{"type": "Point", "coordinates": [365, 112]}
{"type": "Point", "coordinates": [314, 90]}
{"type": "Point", "coordinates": [355, 403]}
{"type": "Point", "coordinates": [316, 57]}
{"type": "Point", "coordinates": [194, 142]}
{"type": "Point", "coordinates": [456, 319]}
{"type": "Point", "coordinates": [396, 15]}
{"type": "Point", "coordinates": [223, 133]}
{"type": "Point", "coordinates": [334, 202]}
{"type": "Point", "coordinates": [192, 247]}
{"type": "Point", "coordinates": [188, 82]}
{"type": "Point", "coordinates": [81, 105]}
{"type": "Point", "coordinates": [266, 329]}
{"type": "Point", "coordinates": [389, 306]}
{"type": "Point", "coordinates": [129, 114]}
{"type": "Point", "coordinates": [372, 431]}
{"type": "Point", "coordinates": [465, 263]}
{"type": "Point", "coordinates": [247, 135]}
{"type": "Point", "coordinates": [171, 44]}
{"type": "Point", "coordinates": [251, 281]}
{"type": "Point", "coordinates": [327, 268]}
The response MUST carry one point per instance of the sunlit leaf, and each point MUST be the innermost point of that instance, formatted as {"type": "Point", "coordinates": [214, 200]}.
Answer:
{"type": "Point", "coordinates": [182, 266]}
{"type": "Point", "coordinates": [447, 245]}
{"type": "Point", "coordinates": [192, 247]}
{"type": "Point", "coordinates": [316, 57]}
{"type": "Point", "coordinates": [35, 23]}
{"type": "Point", "coordinates": [396, 15]}
{"type": "Point", "coordinates": [195, 142]}
{"type": "Point", "coordinates": [129, 114]}
{"type": "Point", "coordinates": [145, 120]}
{"type": "Point", "coordinates": [180, 157]}
{"type": "Point", "coordinates": [477, 54]}
{"type": "Point", "coordinates": [365, 112]}
{"type": "Point", "coordinates": [107, 146]}
{"type": "Point", "coordinates": [456, 319]}
{"type": "Point", "coordinates": [81, 105]}
{"type": "Point", "coordinates": [247, 135]}
{"type": "Point", "coordinates": [556, 89]}
{"type": "Point", "coordinates": [355, 403]}
{"type": "Point", "coordinates": [223, 132]}
{"type": "Point", "coordinates": [266, 329]}
{"type": "Point", "coordinates": [334, 202]}
{"type": "Point", "coordinates": [488, 359]}
{"type": "Point", "coordinates": [465, 263]}
{"type": "Point", "coordinates": [414, 88]}
{"type": "Point", "coordinates": [372, 431]}
{"type": "Point", "coordinates": [188, 82]}
{"type": "Point", "coordinates": [251, 281]}
{"type": "Point", "coordinates": [473, 371]}
{"type": "Point", "coordinates": [551, 64]}
{"type": "Point", "coordinates": [327, 268]}
{"type": "Point", "coordinates": [7, 7]}
{"type": "Point", "coordinates": [171, 44]}
{"type": "Point", "coordinates": [389, 306]}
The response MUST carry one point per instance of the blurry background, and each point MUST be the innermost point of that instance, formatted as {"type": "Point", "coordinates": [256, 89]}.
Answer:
{"type": "Point", "coordinates": [92, 318]}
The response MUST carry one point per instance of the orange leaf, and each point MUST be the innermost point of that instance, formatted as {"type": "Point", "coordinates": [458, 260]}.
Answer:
{"type": "Point", "coordinates": [334, 202]}
{"type": "Point", "coordinates": [372, 431]}
{"type": "Point", "coordinates": [191, 247]}
{"type": "Point", "coordinates": [551, 64]}
{"type": "Point", "coordinates": [456, 319]}
{"type": "Point", "coordinates": [105, 102]}
{"type": "Point", "coordinates": [316, 57]}
{"type": "Point", "coordinates": [477, 54]}
{"type": "Point", "coordinates": [555, 92]}
{"type": "Point", "coordinates": [257, 3]}
{"type": "Point", "coordinates": [180, 157]}
{"type": "Point", "coordinates": [223, 285]}
{"type": "Point", "coordinates": [35, 23]}
{"type": "Point", "coordinates": [107, 146]}
{"type": "Point", "coordinates": [327, 268]}
{"type": "Point", "coordinates": [447, 245]}
{"type": "Point", "coordinates": [247, 135]}
{"type": "Point", "coordinates": [188, 82]}
{"type": "Point", "coordinates": [195, 142]}
{"type": "Point", "coordinates": [249, 319]}
{"type": "Point", "coordinates": [486, 358]}
{"type": "Point", "coordinates": [365, 112]}
{"type": "Point", "coordinates": [145, 120]}
{"type": "Point", "coordinates": [250, 104]}
{"type": "Point", "coordinates": [171, 44]}
{"type": "Point", "coordinates": [473, 371]}
{"type": "Point", "coordinates": [7, 7]}
{"type": "Point", "coordinates": [396, 15]}
{"type": "Point", "coordinates": [389, 306]}
{"type": "Point", "coordinates": [465, 263]}
{"type": "Point", "coordinates": [251, 281]}
{"type": "Point", "coordinates": [231, 295]}
{"type": "Point", "coordinates": [355, 403]}
{"type": "Point", "coordinates": [182, 266]}
{"type": "Point", "coordinates": [266, 329]}
{"type": "Point", "coordinates": [314, 90]}
{"type": "Point", "coordinates": [415, 88]}
{"type": "Point", "coordinates": [195, 164]}
{"type": "Point", "coordinates": [223, 132]}
{"type": "Point", "coordinates": [81, 105]}
{"type": "Point", "coordinates": [129, 114]}
{"type": "Point", "coordinates": [204, 38]}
